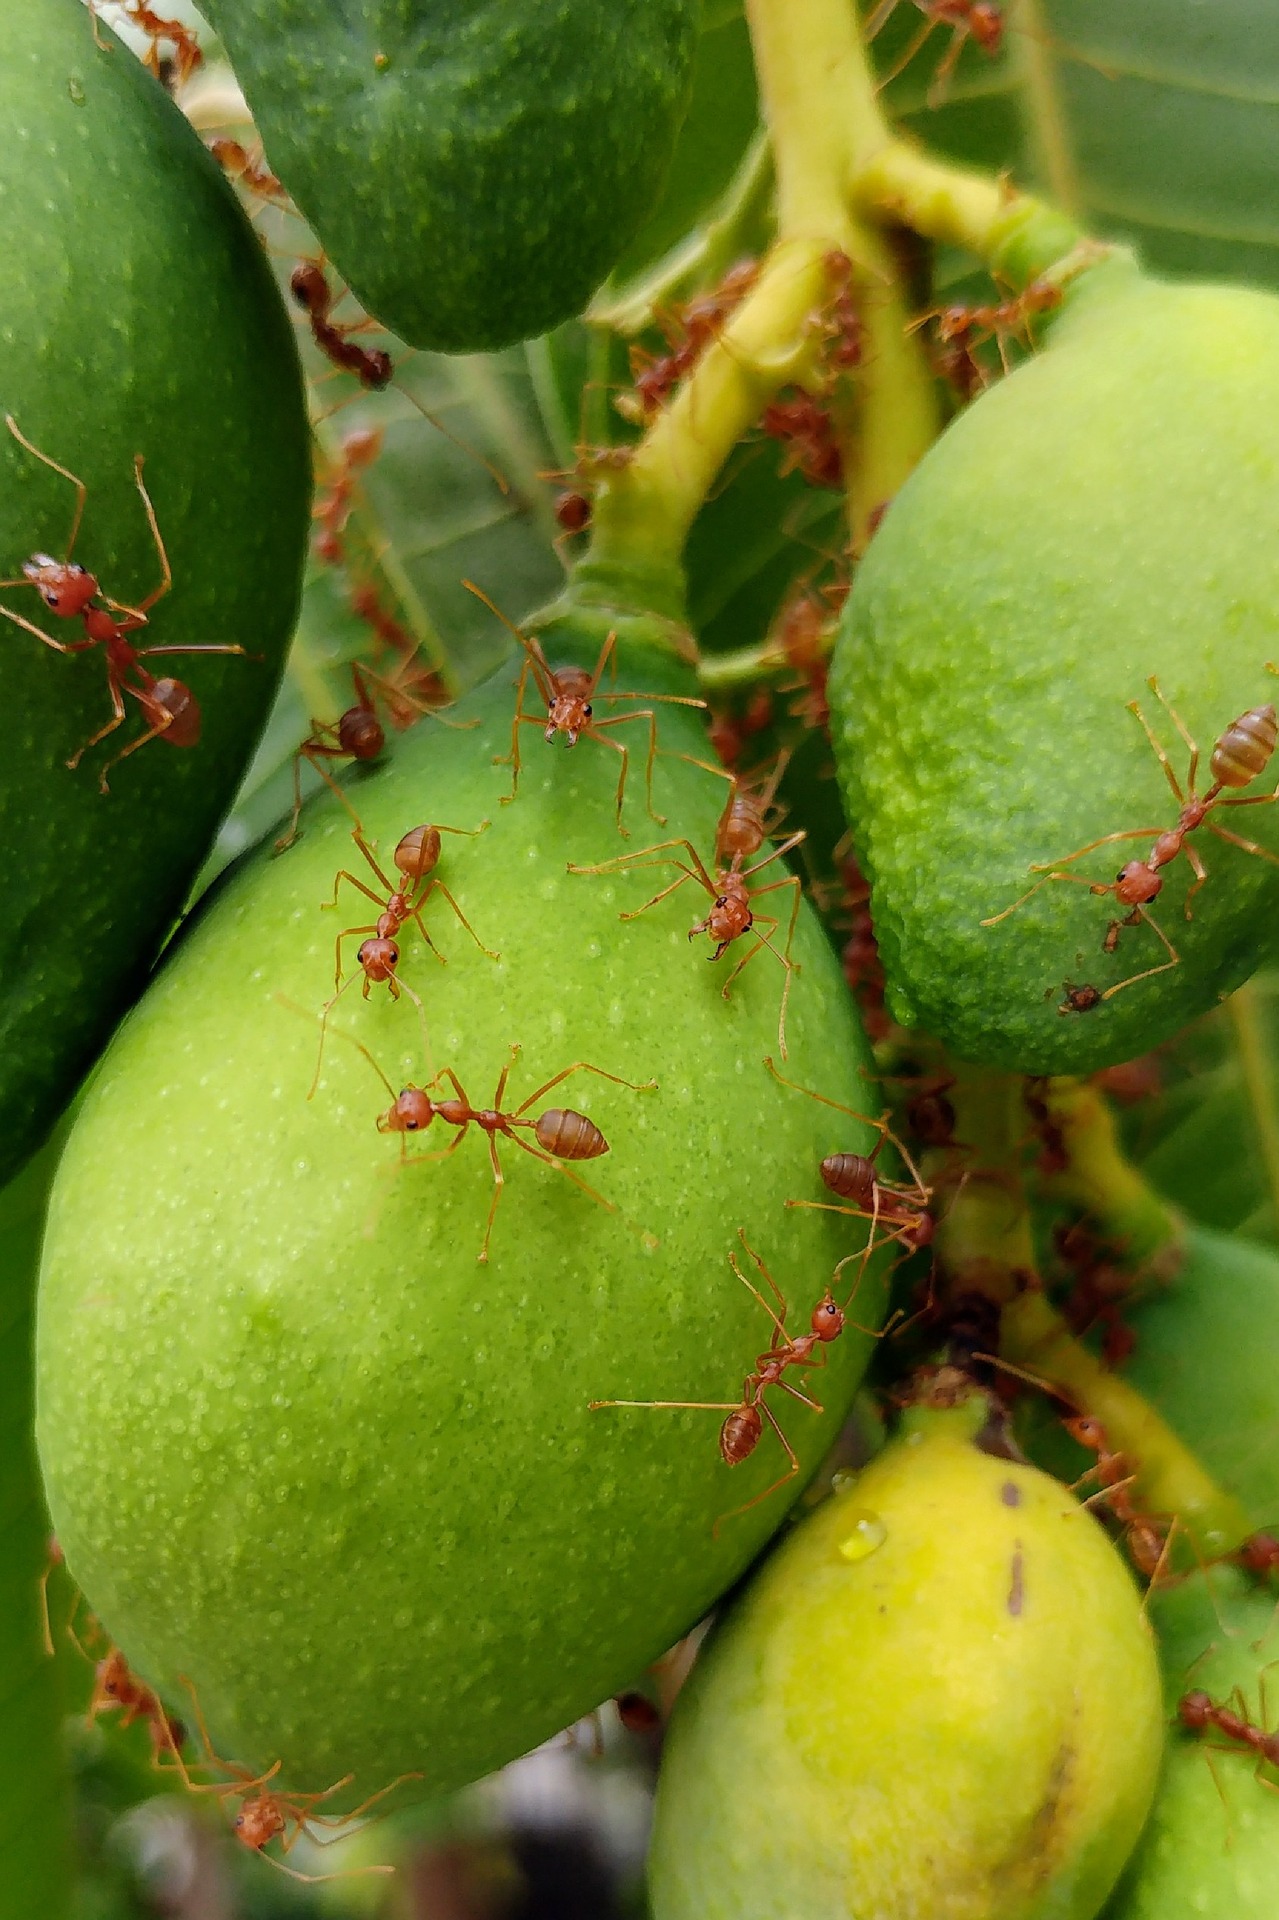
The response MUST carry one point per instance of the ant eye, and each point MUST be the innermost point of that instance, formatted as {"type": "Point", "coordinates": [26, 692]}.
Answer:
{"type": "Point", "coordinates": [49, 595]}
{"type": "Point", "coordinates": [587, 709]}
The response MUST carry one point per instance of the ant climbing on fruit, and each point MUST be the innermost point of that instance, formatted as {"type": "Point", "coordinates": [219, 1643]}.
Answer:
{"type": "Point", "coordinates": [750, 817]}
{"type": "Point", "coordinates": [268, 1814]}
{"type": "Point", "coordinates": [732, 913]}
{"type": "Point", "coordinates": [568, 694]}
{"type": "Point", "coordinates": [1114, 1474]}
{"type": "Point", "coordinates": [1199, 1713]}
{"type": "Point", "coordinates": [372, 366]}
{"type": "Point", "coordinates": [743, 1427]}
{"type": "Point", "coordinates": [416, 857]}
{"type": "Point", "coordinates": [117, 1689]}
{"type": "Point", "coordinates": [903, 1209]}
{"type": "Point", "coordinates": [981, 21]}
{"type": "Point", "coordinates": [1239, 756]}
{"type": "Point", "coordinates": [562, 1134]}
{"type": "Point", "coordinates": [68, 589]}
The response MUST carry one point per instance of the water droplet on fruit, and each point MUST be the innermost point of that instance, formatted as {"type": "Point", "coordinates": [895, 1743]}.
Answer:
{"type": "Point", "coordinates": [868, 1534]}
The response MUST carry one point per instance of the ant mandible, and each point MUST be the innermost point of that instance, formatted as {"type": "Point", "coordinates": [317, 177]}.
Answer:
{"type": "Point", "coordinates": [904, 1210]}
{"type": "Point", "coordinates": [416, 857]}
{"type": "Point", "coordinates": [979, 20]}
{"type": "Point", "coordinates": [743, 1427]}
{"type": "Point", "coordinates": [568, 693]}
{"type": "Point", "coordinates": [731, 914]}
{"type": "Point", "coordinates": [1239, 757]}
{"type": "Point", "coordinates": [267, 1814]}
{"type": "Point", "coordinates": [562, 1134]}
{"type": "Point", "coordinates": [372, 366]}
{"type": "Point", "coordinates": [68, 590]}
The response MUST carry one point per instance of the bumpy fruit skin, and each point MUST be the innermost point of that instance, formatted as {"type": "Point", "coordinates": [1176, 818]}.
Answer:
{"type": "Point", "coordinates": [1210, 1850]}
{"type": "Point", "coordinates": [1104, 514]}
{"type": "Point", "coordinates": [962, 1721]}
{"type": "Point", "coordinates": [472, 171]}
{"type": "Point", "coordinates": [299, 1445]}
{"type": "Point", "coordinates": [137, 315]}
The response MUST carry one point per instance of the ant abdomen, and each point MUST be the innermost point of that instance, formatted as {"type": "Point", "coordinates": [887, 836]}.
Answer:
{"type": "Point", "coordinates": [740, 1434]}
{"type": "Point", "coordinates": [361, 734]}
{"type": "Point", "coordinates": [569, 1135]}
{"type": "Point", "coordinates": [851, 1175]}
{"type": "Point", "coordinates": [1245, 747]}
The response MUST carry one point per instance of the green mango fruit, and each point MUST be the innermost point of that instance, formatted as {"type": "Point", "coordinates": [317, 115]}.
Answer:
{"type": "Point", "coordinates": [939, 1696]}
{"type": "Point", "coordinates": [1103, 515]}
{"type": "Point", "coordinates": [138, 316]}
{"type": "Point", "coordinates": [299, 1444]}
{"type": "Point", "coordinates": [1210, 1850]}
{"type": "Point", "coordinates": [473, 171]}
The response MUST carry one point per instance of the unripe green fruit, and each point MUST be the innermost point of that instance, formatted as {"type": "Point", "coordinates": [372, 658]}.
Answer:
{"type": "Point", "coordinates": [1210, 1850]}
{"type": "Point", "coordinates": [137, 316]}
{"type": "Point", "coordinates": [938, 1697]}
{"type": "Point", "coordinates": [299, 1445]}
{"type": "Point", "coordinates": [1104, 514]}
{"type": "Point", "coordinates": [473, 172]}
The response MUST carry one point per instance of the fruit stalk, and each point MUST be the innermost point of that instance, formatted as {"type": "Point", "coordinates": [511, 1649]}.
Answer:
{"type": "Point", "coordinates": [1100, 1178]}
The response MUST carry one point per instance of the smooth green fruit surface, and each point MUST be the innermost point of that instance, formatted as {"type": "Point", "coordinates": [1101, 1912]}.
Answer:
{"type": "Point", "coordinates": [1210, 1850]}
{"type": "Point", "coordinates": [472, 170]}
{"type": "Point", "coordinates": [299, 1444]}
{"type": "Point", "coordinates": [938, 1697]}
{"type": "Point", "coordinates": [137, 316]}
{"type": "Point", "coordinates": [1104, 514]}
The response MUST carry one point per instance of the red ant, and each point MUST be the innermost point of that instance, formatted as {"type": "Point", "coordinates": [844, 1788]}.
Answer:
{"type": "Point", "coordinates": [961, 330]}
{"type": "Point", "coordinates": [247, 169]}
{"type": "Point", "coordinates": [1240, 756]}
{"type": "Point", "coordinates": [68, 590]}
{"type": "Point", "coordinates": [743, 1428]}
{"type": "Point", "coordinates": [730, 732]}
{"type": "Point", "coordinates": [372, 366]}
{"type": "Point", "coordinates": [904, 1210]}
{"type": "Point", "coordinates": [979, 20]}
{"type": "Point", "coordinates": [561, 1133]}
{"type": "Point", "coordinates": [116, 1688]}
{"type": "Point", "coordinates": [1081, 997]}
{"type": "Point", "coordinates": [689, 331]}
{"type": "Point", "coordinates": [863, 969]}
{"type": "Point", "coordinates": [568, 693]}
{"type": "Point", "coordinates": [750, 817]}
{"type": "Point", "coordinates": [187, 53]}
{"type": "Point", "coordinates": [731, 913]}
{"type": "Point", "coordinates": [1198, 1712]}
{"type": "Point", "coordinates": [416, 857]}
{"type": "Point", "coordinates": [266, 1814]}
{"type": "Point", "coordinates": [360, 448]}
{"type": "Point", "coordinates": [572, 511]}
{"type": "Point", "coordinates": [1099, 1289]}
{"type": "Point", "coordinates": [1114, 1474]}
{"type": "Point", "coordinates": [807, 431]}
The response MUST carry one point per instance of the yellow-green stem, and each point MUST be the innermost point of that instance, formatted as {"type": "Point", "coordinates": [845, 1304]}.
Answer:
{"type": "Point", "coordinates": [984, 1242]}
{"type": "Point", "coordinates": [1099, 1177]}
{"type": "Point", "coordinates": [1170, 1483]}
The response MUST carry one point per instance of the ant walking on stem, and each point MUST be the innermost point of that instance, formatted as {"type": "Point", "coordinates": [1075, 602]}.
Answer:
{"type": "Point", "coordinates": [732, 913]}
{"type": "Point", "coordinates": [743, 1427]}
{"type": "Point", "coordinates": [68, 590]}
{"type": "Point", "coordinates": [568, 694]}
{"type": "Point", "coordinates": [1239, 756]}
{"type": "Point", "coordinates": [562, 1134]}
{"type": "Point", "coordinates": [903, 1209]}
{"type": "Point", "coordinates": [268, 1814]}
{"type": "Point", "coordinates": [416, 858]}
{"type": "Point", "coordinates": [981, 21]}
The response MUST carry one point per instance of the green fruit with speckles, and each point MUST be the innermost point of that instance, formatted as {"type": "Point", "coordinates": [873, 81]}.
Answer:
{"type": "Point", "coordinates": [938, 1697]}
{"type": "Point", "coordinates": [473, 171]}
{"type": "Point", "coordinates": [298, 1443]}
{"type": "Point", "coordinates": [1210, 1850]}
{"type": "Point", "coordinates": [137, 316]}
{"type": "Point", "coordinates": [1105, 514]}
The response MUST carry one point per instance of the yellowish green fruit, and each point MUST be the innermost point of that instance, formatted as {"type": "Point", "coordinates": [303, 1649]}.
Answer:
{"type": "Point", "coordinates": [1105, 514]}
{"type": "Point", "coordinates": [938, 1698]}
{"type": "Point", "coordinates": [1210, 1850]}
{"type": "Point", "coordinates": [298, 1443]}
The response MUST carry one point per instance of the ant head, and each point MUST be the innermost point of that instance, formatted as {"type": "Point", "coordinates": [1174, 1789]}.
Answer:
{"type": "Point", "coordinates": [1135, 884]}
{"type": "Point", "coordinates": [260, 1819]}
{"type": "Point", "coordinates": [1088, 1432]}
{"type": "Point", "coordinates": [828, 1320]}
{"type": "Point", "coordinates": [376, 369]}
{"type": "Point", "coordinates": [65, 587]}
{"type": "Point", "coordinates": [413, 1110]}
{"type": "Point", "coordinates": [379, 958]}
{"type": "Point", "coordinates": [418, 852]}
{"type": "Point", "coordinates": [360, 733]}
{"type": "Point", "coordinates": [1195, 1710]}
{"type": "Point", "coordinates": [361, 446]}
{"type": "Point", "coordinates": [309, 287]}
{"type": "Point", "coordinates": [986, 24]}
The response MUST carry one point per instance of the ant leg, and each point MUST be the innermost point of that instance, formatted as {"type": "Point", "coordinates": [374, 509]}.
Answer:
{"type": "Point", "coordinates": [343, 874]}
{"type": "Point", "coordinates": [776, 854]}
{"type": "Point", "coordinates": [686, 874]}
{"type": "Point", "coordinates": [874, 1333]}
{"type": "Point", "coordinates": [160, 724]}
{"type": "Point", "coordinates": [913, 46]}
{"type": "Point", "coordinates": [778, 1320]}
{"type": "Point", "coordinates": [416, 915]}
{"type": "Point", "coordinates": [689, 1406]}
{"type": "Point", "coordinates": [439, 886]}
{"type": "Point", "coordinates": [356, 1813]}
{"type": "Point", "coordinates": [796, 1393]}
{"type": "Point", "coordinates": [561, 1166]}
{"type": "Point", "coordinates": [1076, 879]}
{"type": "Point", "coordinates": [875, 22]}
{"type": "Point", "coordinates": [639, 857]}
{"type": "Point", "coordinates": [1200, 872]}
{"type": "Point", "coordinates": [1248, 846]}
{"type": "Point", "coordinates": [937, 93]}
{"type": "Point", "coordinates": [1173, 960]}
{"type": "Point", "coordinates": [117, 716]}
{"type": "Point", "coordinates": [316, 1879]}
{"type": "Point", "coordinates": [592, 730]}
{"type": "Point", "coordinates": [790, 1473]}
{"type": "Point", "coordinates": [347, 933]}
{"type": "Point", "coordinates": [82, 492]}
{"type": "Point", "coordinates": [499, 1181]}
{"type": "Point", "coordinates": [1187, 741]}
{"type": "Point", "coordinates": [584, 1066]}
{"type": "Point", "coordinates": [29, 626]}
{"type": "Point", "coordinates": [324, 1027]}
{"type": "Point", "coordinates": [512, 759]}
